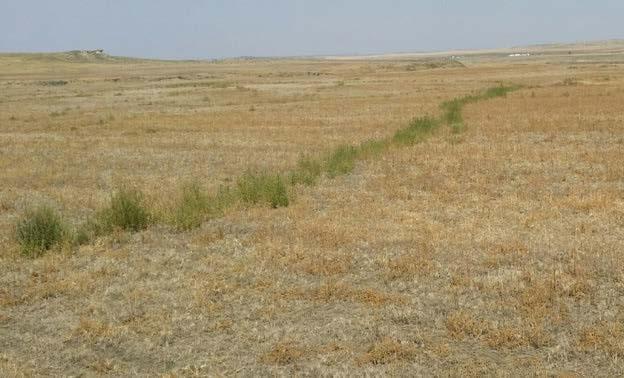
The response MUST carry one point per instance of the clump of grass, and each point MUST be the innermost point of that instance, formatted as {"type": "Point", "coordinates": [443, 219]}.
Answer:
{"type": "Point", "coordinates": [40, 230]}
{"type": "Point", "coordinates": [453, 111]}
{"type": "Point", "coordinates": [226, 197]}
{"type": "Point", "coordinates": [373, 147]}
{"type": "Point", "coordinates": [192, 207]}
{"type": "Point", "coordinates": [307, 172]}
{"type": "Point", "coordinates": [127, 211]}
{"type": "Point", "coordinates": [497, 92]}
{"type": "Point", "coordinates": [415, 131]}
{"type": "Point", "coordinates": [283, 354]}
{"type": "Point", "coordinates": [386, 351]}
{"type": "Point", "coordinates": [262, 188]}
{"type": "Point", "coordinates": [341, 161]}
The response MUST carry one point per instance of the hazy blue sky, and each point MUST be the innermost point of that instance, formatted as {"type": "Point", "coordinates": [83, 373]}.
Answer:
{"type": "Point", "coordinates": [226, 28]}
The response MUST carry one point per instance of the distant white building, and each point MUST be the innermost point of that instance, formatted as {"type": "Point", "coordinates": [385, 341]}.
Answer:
{"type": "Point", "coordinates": [519, 54]}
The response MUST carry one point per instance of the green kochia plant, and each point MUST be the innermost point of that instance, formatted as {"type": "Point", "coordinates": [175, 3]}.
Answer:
{"type": "Point", "coordinates": [254, 188]}
{"type": "Point", "coordinates": [307, 172]}
{"type": "Point", "coordinates": [417, 129]}
{"type": "Point", "coordinates": [341, 161]}
{"type": "Point", "coordinates": [501, 91]}
{"type": "Point", "coordinates": [127, 211]}
{"type": "Point", "coordinates": [40, 230]}
{"type": "Point", "coordinates": [453, 111]}
{"type": "Point", "coordinates": [192, 208]}
{"type": "Point", "coordinates": [374, 148]}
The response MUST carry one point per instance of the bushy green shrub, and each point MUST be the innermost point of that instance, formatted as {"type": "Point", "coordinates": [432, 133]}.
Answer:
{"type": "Point", "coordinates": [278, 193]}
{"type": "Point", "coordinates": [373, 147]}
{"type": "Point", "coordinates": [415, 131]}
{"type": "Point", "coordinates": [453, 111]}
{"type": "Point", "coordinates": [192, 207]}
{"type": "Point", "coordinates": [341, 161]}
{"type": "Point", "coordinates": [307, 172]}
{"type": "Point", "coordinates": [127, 212]}
{"type": "Point", "coordinates": [226, 197]}
{"type": "Point", "coordinates": [498, 92]}
{"type": "Point", "coordinates": [40, 230]}
{"type": "Point", "coordinates": [262, 188]}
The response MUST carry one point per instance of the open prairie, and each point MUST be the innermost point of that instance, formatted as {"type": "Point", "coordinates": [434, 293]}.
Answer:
{"type": "Point", "coordinates": [285, 227]}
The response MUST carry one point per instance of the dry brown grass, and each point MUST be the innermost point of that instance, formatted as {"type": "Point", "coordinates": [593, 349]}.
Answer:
{"type": "Point", "coordinates": [492, 252]}
{"type": "Point", "coordinates": [283, 354]}
{"type": "Point", "coordinates": [388, 351]}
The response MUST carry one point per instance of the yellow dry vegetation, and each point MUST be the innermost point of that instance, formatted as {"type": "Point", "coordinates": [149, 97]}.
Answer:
{"type": "Point", "coordinates": [487, 249]}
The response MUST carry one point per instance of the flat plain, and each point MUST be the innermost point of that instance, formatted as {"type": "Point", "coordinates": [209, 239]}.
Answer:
{"type": "Point", "coordinates": [487, 248]}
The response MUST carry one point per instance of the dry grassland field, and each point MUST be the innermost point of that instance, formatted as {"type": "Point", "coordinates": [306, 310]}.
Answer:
{"type": "Point", "coordinates": [260, 217]}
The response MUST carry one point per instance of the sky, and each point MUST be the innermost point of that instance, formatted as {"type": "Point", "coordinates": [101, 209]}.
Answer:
{"type": "Point", "coordinates": [209, 29]}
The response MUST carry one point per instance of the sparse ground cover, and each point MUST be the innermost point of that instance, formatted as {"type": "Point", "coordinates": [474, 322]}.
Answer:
{"type": "Point", "coordinates": [492, 247]}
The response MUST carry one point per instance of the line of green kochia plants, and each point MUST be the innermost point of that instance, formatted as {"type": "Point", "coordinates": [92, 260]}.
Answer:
{"type": "Point", "coordinates": [42, 228]}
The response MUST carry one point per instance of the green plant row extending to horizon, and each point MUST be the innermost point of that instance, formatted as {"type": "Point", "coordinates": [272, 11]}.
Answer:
{"type": "Point", "coordinates": [42, 229]}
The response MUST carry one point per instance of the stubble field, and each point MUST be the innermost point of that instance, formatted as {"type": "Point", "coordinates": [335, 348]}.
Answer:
{"type": "Point", "coordinates": [489, 245]}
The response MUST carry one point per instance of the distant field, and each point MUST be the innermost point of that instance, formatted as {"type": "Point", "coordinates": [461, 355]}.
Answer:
{"type": "Point", "coordinates": [593, 51]}
{"type": "Point", "coordinates": [482, 241]}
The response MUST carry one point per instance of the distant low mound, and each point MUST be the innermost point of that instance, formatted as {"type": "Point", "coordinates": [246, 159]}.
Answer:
{"type": "Point", "coordinates": [74, 56]}
{"type": "Point", "coordinates": [96, 56]}
{"type": "Point", "coordinates": [87, 55]}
